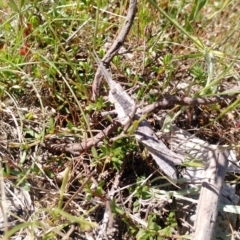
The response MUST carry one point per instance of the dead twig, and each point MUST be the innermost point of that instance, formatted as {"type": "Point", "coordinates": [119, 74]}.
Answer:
{"type": "Point", "coordinates": [115, 47]}
{"type": "Point", "coordinates": [183, 101]}
{"type": "Point", "coordinates": [77, 148]}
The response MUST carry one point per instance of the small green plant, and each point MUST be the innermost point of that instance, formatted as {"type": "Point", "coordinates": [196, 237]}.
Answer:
{"type": "Point", "coordinates": [154, 231]}
{"type": "Point", "coordinates": [113, 154]}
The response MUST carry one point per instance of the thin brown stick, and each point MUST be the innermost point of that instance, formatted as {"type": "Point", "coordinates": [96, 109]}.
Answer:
{"type": "Point", "coordinates": [115, 47]}
{"type": "Point", "coordinates": [77, 148]}
{"type": "Point", "coordinates": [182, 101]}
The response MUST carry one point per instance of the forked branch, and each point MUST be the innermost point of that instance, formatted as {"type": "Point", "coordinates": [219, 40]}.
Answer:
{"type": "Point", "coordinates": [77, 148]}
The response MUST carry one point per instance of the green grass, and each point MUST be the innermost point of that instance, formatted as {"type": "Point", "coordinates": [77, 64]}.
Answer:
{"type": "Point", "coordinates": [47, 69]}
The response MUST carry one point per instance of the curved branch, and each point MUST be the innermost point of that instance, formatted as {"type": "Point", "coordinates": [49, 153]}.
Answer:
{"type": "Point", "coordinates": [182, 101]}
{"type": "Point", "coordinates": [115, 47]}
{"type": "Point", "coordinates": [77, 148]}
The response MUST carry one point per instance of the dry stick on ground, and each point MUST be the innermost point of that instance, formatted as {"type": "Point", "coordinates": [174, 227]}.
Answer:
{"type": "Point", "coordinates": [115, 47]}
{"type": "Point", "coordinates": [183, 101]}
{"type": "Point", "coordinates": [207, 208]}
{"type": "Point", "coordinates": [77, 148]}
